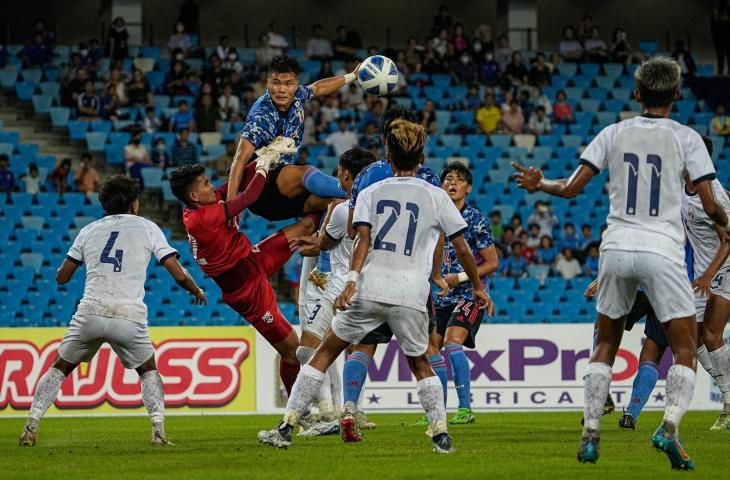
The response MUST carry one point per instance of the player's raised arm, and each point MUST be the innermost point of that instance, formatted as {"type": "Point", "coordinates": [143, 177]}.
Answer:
{"type": "Point", "coordinates": [244, 151]}
{"type": "Point", "coordinates": [184, 280]}
{"type": "Point", "coordinates": [532, 180]}
{"type": "Point", "coordinates": [359, 255]}
{"type": "Point", "coordinates": [324, 87]}
{"type": "Point", "coordinates": [710, 205]}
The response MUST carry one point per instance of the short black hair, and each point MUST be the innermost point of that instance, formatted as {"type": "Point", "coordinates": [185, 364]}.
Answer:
{"type": "Point", "coordinates": [355, 160]}
{"type": "Point", "coordinates": [394, 114]}
{"type": "Point", "coordinates": [32, 166]}
{"type": "Point", "coordinates": [4, 157]}
{"type": "Point", "coordinates": [584, 226]}
{"type": "Point", "coordinates": [458, 168]}
{"type": "Point", "coordinates": [182, 178]}
{"type": "Point", "coordinates": [86, 155]}
{"type": "Point", "coordinates": [283, 64]}
{"type": "Point", "coordinates": [117, 194]}
{"type": "Point", "coordinates": [66, 162]}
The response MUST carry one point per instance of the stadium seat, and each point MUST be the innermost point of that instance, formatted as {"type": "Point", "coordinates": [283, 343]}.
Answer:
{"type": "Point", "coordinates": [31, 222]}
{"type": "Point", "coordinates": [210, 138]}
{"type": "Point", "coordinates": [648, 46]}
{"type": "Point", "coordinates": [8, 78]}
{"type": "Point", "coordinates": [32, 260]}
{"type": "Point", "coordinates": [573, 141]}
{"type": "Point", "coordinates": [525, 141]}
{"type": "Point", "coordinates": [32, 75]}
{"type": "Point", "coordinates": [102, 126]}
{"type": "Point", "coordinates": [567, 69]}
{"type": "Point", "coordinates": [604, 81]}
{"type": "Point", "coordinates": [152, 178]}
{"type": "Point", "coordinates": [50, 88]}
{"type": "Point", "coordinates": [500, 140]}
{"type": "Point", "coordinates": [24, 90]}
{"type": "Point", "coordinates": [95, 141]}
{"type": "Point", "coordinates": [613, 70]}
{"type": "Point", "coordinates": [42, 103]}
{"type": "Point", "coordinates": [77, 129]}
{"type": "Point", "coordinates": [60, 116]}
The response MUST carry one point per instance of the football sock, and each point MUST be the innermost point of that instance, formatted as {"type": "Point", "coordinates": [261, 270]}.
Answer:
{"type": "Point", "coordinates": [153, 397]}
{"type": "Point", "coordinates": [322, 185]}
{"type": "Point", "coordinates": [460, 367]}
{"type": "Point", "coordinates": [429, 393]}
{"type": "Point", "coordinates": [335, 386]}
{"type": "Point", "coordinates": [303, 393]}
{"type": "Point", "coordinates": [721, 368]}
{"type": "Point", "coordinates": [680, 390]}
{"type": "Point", "coordinates": [439, 367]}
{"type": "Point", "coordinates": [304, 354]}
{"type": "Point", "coordinates": [45, 395]}
{"type": "Point", "coordinates": [644, 384]}
{"type": "Point", "coordinates": [597, 382]}
{"type": "Point", "coordinates": [353, 376]}
{"type": "Point", "coordinates": [323, 262]}
{"type": "Point", "coordinates": [324, 397]}
{"type": "Point", "coordinates": [288, 374]}
{"type": "Point", "coordinates": [703, 356]}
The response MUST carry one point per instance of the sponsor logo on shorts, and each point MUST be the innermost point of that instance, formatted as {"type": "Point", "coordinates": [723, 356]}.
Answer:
{"type": "Point", "coordinates": [268, 317]}
{"type": "Point", "coordinates": [196, 373]}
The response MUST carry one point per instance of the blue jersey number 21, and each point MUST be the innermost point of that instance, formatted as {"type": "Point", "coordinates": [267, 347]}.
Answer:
{"type": "Point", "coordinates": [412, 208]}
{"type": "Point", "coordinates": [116, 260]}
{"type": "Point", "coordinates": [655, 161]}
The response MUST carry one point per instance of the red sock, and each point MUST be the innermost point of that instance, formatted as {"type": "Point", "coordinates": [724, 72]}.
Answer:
{"type": "Point", "coordinates": [288, 374]}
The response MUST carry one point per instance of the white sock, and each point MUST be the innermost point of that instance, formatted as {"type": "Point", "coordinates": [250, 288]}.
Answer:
{"type": "Point", "coordinates": [303, 393]}
{"type": "Point", "coordinates": [431, 395]}
{"type": "Point", "coordinates": [703, 356]}
{"type": "Point", "coordinates": [721, 367]}
{"type": "Point", "coordinates": [153, 397]}
{"type": "Point", "coordinates": [45, 395]}
{"type": "Point", "coordinates": [680, 390]}
{"type": "Point", "coordinates": [335, 386]}
{"type": "Point", "coordinates": [597, 382]}
{"type": "Point", "coordinates": [324, 398]}
{"type": "Point", "coordinates": [304, 354]}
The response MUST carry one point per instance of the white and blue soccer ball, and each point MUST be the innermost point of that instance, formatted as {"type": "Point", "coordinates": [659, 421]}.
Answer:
{"type": "Point", "coordinates": [378, 75]}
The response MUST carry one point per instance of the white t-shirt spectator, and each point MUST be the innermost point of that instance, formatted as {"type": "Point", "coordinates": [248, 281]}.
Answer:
{"type": "Point", "coordinates": [319, 48]}
{"type": "Point", "coordinates": [230, 105]}
{"type": "Point", "coordinates": [539, 127]}
{"type": "Point", "coordinates": [568, 269]}
{"type": "Point", "coordinates": [342, 141]}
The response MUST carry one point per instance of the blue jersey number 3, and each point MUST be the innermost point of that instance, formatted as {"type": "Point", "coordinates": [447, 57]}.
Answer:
{"type": "Point", "coordinates": [116, 260]}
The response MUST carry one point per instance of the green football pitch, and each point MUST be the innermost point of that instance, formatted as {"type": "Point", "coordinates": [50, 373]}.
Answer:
{"type": "Point", "coordinates": [499, 445]}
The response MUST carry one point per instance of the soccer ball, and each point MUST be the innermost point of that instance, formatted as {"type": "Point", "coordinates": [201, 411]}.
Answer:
{"type": "Point", "coordinates": [378, 75]}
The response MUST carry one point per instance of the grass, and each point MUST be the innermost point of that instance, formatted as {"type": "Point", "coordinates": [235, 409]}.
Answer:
{"type": "Point", "coordinates": [499, 445]}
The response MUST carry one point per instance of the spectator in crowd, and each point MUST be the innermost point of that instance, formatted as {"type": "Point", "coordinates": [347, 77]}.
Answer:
{"type": "Point", "coordinates": [371, 140]}
{"type": "Point", "coordinates": [590, 268]}
{"type": "Point", "coordinates": [547, 252]}
{"type": "Point", "coordinates": [568, 266]}
{"type": "Point", "coordinates": [534, 233]}
{"type": "Point", "coordinates": [188, 14]}
{"type": "Point", "coordinates": [36, 53]}
{"type": "Point", "coordinates": [460, 41]}
{"type": "Point", "coordinates": [495, 223]}
{"type": "Point", "coordinates": [88, 103]}
{"type": "Point", "coordinates": [516, 71]}
{"type": "Point", "coordinates": [207, 117]}
{"type": "Point", "coordinates": [485, 34]}
{"type": "Point", "coordinates": [427, 117]}
{"type": "Point", "coordinates": [570, 238]}
{"type": "Point", "coordinates": [489, 69]}
{"type": "Point", "coordinates": [224, 48]}
{"type": "Point", "coordinates": [265, 52]}
{"type": "Point", "coordinates": [176, 80]}
{"type": "Point", "coordinates": [183, 118]}
{"type": "Point", "coordinates": [620, 51]}
{"type": "Point", "coordinates": [529, 247]}
{"type": "Point", "coordinates": [353, 97]}
{"type": "Point", "coordinates": [504, 243]}
{"type": "Point", "coordinates": [110, 106]}
{"type": "Point", "coordinates": [720, 31]}
{"type": "Point", "coordinates": [159, 155]}
{"type": "Point", "coordinates": [585, 27]}
{"type": "Point", "coordinates": [503, 52]}
{"type": "Point", "coordinates": [467, 70]}
{"type": "Point", "coordinates": [221, 164]}
{"type": "Point", "coordinates": [302, 157]}
{"type": "Point", "coordinates": [91, 54]}
{"type": "Point", "coordinates": [513, 121]}
{"type": "Point", "coordinates": [74, 87]}
{"type": "Point", "coordinates": [516, 224]}
{"type": "Point", "coordinates": [59, 176]}
{"type": "Point", "coordinates": [87, 178]}
{"type": "Point", "coordinates": [562, 111]}
{"type": "Point", "coordinates": [587, 237]}
{"type": "Point", "coordinates": [151, 122]}
{"type": "Point", "coordinates": [229, 105]}
{"type": "Point", "coordinates": [442, 20]}
{"type": "Point", "coordinates": [342, 46]}
{"type": "Point", "coordinates": [215, 75]}
{"type": "Point", "coordinates": [440, 43]}
{"type": "Point", "coordinates": [31, 180]}
{"type": "Point", "coordinates": [117, 38]}
{"type": "Point", "coordinates": [39, 28]}
{"type": "Point", "coordinates": [515, 264]}
{"type": "Point", "coordinates": [7, 179]}
{"type": "Point", "coordinates": [276, 39]}
{"type": "Point", "coordinates": [373, 114]}
{"type": "Point", "coordinates": [183, 152]}
{"type": "Point", "coordinates": [116, 80]}
{"type": "Point", "coordinates": [139, 92]}
{"type": "Point", "coordinates": [489, 116]}
{"type": "Point", "coordinates": [472, 99]}
{"type": "Point", "coordinates": [179, 40]}
{"type": "Point", "coordinates": [544, 218]}
{"type": "Point", "coordinates": [539, 123]}
{"type": "Point", "coordinates": [331, 109]}
{"type": "Point", "coordinates": [595, 46]}
{"type": "Point", "coordinates": [570, 48]}
{"type": "Point", "coordinates": [325, 70]}
{"type": "Point", "coordinates": [540, 75]}
{"type": "Point", "coordinates": [684, 58]}
{"type": "Point", "coordinates": [318, 47]}
{"type": "Point", "coordinates": [343, 139]}
{"type": "Point", "coordinates": [136, 156]}
{"type": "Point", "coordinates": [720, 123]}
{"type": "Point", "coordinates": [413, 53]}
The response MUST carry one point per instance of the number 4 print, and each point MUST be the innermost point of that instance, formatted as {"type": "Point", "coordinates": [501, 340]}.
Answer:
{"type": "Point", "coordinates": [116, 260]}
{"type": "Point", "coordinates": [656, 163]}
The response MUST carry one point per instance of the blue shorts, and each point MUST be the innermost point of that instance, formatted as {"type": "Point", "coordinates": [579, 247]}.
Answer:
{"type": "Point", "coordinates": [652, 328]}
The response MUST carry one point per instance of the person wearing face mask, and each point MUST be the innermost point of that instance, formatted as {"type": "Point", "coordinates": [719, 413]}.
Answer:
{"type": "Point", "coordinates": [466, 70]}
{"type": "Point", "coordinates": [136, 157]}
{"type": "Point", "coordinates": [489, 70]}
{"type": "Point", "coordinates": [179, 39]}
{"type": "Point", "coordinates": [224, 48]}
{"type": "Point", "coordinates": [160, 157]}
{"type": "Point", "coordinates": [117, 39]}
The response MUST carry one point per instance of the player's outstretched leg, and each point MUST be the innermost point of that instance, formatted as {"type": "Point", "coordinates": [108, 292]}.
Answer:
{"type": "Point", "coordinates": [327, 425]}
{"type": "Point", "coordinates": [430, 393]}
{"type": "Point", "coordinates": [353, 381]}
{"type": "Point", "coordinates": [718, 354]}
{"type": "Point", "coordinates": [153, 397]}
{"type": "Point", "coordinates": [45, 394]}
{"type": "Point", "coordinates": [438, 364]}
{"type": "Point", "coordinates": [644, 383]}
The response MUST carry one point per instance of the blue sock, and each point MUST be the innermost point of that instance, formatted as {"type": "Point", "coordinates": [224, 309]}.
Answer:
{"type": "Point", "coordinates": [460, 367]}
{"type": "Point", "coordinates": [644, 383]}
{"type": "Point", "coordinates": [353, 376]}
{"type": "Point", "coordinates": [323, 262]}
{"type": "Point", "coordinates": [322, 185]}
{"type": "Point", "coordinates": [439, 366]}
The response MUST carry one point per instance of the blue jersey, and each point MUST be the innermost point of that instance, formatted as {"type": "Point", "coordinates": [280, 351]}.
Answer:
{"type": "Point", "coordinates": [478, 236]}
{"type": "Point", "coordinates": [381, 170]}
{"type": "Point", "coordinates": [265, 122]}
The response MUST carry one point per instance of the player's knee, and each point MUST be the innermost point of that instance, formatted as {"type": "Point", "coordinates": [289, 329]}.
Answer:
{"type": "Point", "coordinates": [304, 354]}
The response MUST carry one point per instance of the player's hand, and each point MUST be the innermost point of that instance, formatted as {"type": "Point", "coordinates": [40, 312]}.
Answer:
{"type": "Point", "coordinates": [527, 178]}
{"type": "Point", "coordinates": [725, 238]}
{"type": "Point", "coordinates": [357, 69]}
{"type": "Point", "coordinates": [591, 289]}
{"type": "Point", "coordinates": [452, 280]}
{"type": "Point", "coordinates": [307, 246]}
{"type": "Point", "coordinates": [484, 301]}
{"type": "Point", "coordinates": [200, 298]}
{"type": "Point", "coordinates": [344, 301]}
{"type": "Point", "coordinates": [234, 221]}
{"type": "Point", "coordinates": [701, 285]}
{"type": "Point", "coordinates": [443, 284]}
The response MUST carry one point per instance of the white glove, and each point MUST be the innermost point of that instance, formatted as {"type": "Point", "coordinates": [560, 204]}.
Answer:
{"type": "Point", "coordinates": [281, 145]}
{"type": "Point", "coordinates": [266, 160]}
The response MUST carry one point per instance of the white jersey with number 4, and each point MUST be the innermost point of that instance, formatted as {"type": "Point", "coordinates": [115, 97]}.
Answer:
{"type": "Point", "coordinates": [701, 229]}
{"type": "Point", "coordinates": [406, 216]}
{"type": "Point", "coordinates": [116, 250]}
{"type": "Point", "coordinates": [647, 158]}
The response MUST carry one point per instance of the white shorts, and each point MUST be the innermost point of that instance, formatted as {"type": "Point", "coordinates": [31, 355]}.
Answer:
{"type": "Point", "coordinates": [667, 286]}
{"type": "Point", "coordinates": [319, 320]}
{"type": "Point", "coordinates": [700, 306]}
{"type": "Point", "coordinates": [86, 333]}
{"type": "Point", "coordinates": [719, 286]}
{"type": "Point", "coordinates": [410, 326]}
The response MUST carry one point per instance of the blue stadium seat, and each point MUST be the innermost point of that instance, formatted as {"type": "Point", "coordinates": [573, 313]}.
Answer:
{"type": "Point", "coordinates": [597, 93]}
{"type": "Point", "coordinates": [32, 75]}
{"type": "Point", "coordinates": [604, 81]}
{"type": "Point", "coordinates": [77, 129]}
{"type": "Point", "coordinates": [648, 46]}
{"type": "Point", "coordinates": [8, 78]}
{"type": "Point", "coordinates": [590, 69]}
{"type": "Point", "coordinates": [613, 70]}
{"type": "Point", "coordinates": [60, 116]}
{"type": "Point", "coordinates": [500, 140]}
{"type": "Point", "coordinates": [567, 69]}
{"type": "Point", "coordinates": [626, 81]}
{"type": "Point", "coordinates": [103, 126]}
{"type": "Point", "coordinates": [33, 223]}
{"type": "Point", "coordinates": [95, 141]}
{"type": "Point", "coordinates": [32, 260]}
{"type": "Point", "coordinates": [42, 103]}
{"type": "Point", "coordinates": [50, 88]}
{"type": "Point", "coordinates": [441, 80]}
{"type": "Point", "coordinates": [573, 141]}
{"type": "Point", "coordinates": [152, 177]}
{"type": "Point", "coordinates": [7, 148]}
{"type": "Point", "coordinates": [589, 105]}
{"type": "Point", "coordinates": [24, 90]}
{"type": "Point", "coordinates": [614, 106]}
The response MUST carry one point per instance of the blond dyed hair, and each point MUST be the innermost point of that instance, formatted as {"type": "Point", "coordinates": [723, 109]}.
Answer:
{"type": "Point", "coordinates": [405, 142]}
